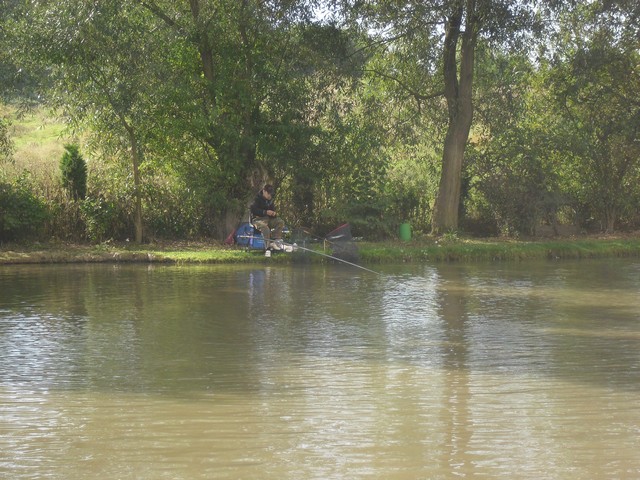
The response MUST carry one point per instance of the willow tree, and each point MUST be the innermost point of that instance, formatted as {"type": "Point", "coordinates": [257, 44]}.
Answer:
{"type": "Point", "coordinates": [594, 75]}
{"type": "Point", "coordinates": [100, 60]}
{"type": "Point", "coordinates": [434, 43]}
{"type": "Point", "coordinates": [241, 101]}
{"type": "Point", "coordinates": [207, 88]}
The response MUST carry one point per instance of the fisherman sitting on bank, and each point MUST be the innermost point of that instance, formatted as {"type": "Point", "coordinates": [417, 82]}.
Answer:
{"type": "Point", "coordinates": [265, 218]}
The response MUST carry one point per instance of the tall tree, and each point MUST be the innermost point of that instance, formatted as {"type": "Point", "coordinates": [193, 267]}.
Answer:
{"type": "Point", "coordinates": [100, 60]}
{"type": "Point", "coordinates": [460, 40]}
{"type": "Point", "coordinates": [595, 77]}
{"type": "Point", "coordinates": [438, 40]}
{"type": "Point", "coordinates": [217, 92]}
{"type": "Point", "coordinates": [246, 51]}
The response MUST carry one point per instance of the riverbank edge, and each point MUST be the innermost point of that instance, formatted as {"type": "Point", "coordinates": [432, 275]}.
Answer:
{"type": "Point", "coordinates": [417, 251]}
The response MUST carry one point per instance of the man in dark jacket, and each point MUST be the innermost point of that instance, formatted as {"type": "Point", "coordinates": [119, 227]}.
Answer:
{"type": "Point", "coordinates": [265, 218]}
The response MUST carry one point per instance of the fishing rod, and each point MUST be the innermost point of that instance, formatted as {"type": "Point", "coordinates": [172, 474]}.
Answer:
{"type": "Point", "coordinates": [295, 246]}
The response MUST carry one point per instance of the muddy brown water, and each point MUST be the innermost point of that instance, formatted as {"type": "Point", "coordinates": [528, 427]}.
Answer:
{"type": "Point", "coordinates": [519, 370]}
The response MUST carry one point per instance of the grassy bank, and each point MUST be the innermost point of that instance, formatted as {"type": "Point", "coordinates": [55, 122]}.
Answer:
{"type": "Point", "coordinates": [419, 251]}
{"type": "Point", "coordinates": [471, 250]}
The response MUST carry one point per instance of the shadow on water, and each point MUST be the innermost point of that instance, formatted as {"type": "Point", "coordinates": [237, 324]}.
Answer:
{"type": "Point", "coordinates": [125, 328]}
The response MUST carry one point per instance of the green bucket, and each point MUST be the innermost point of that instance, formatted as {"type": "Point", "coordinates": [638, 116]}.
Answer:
{"type": "Point", "coordinates": [405, 231]}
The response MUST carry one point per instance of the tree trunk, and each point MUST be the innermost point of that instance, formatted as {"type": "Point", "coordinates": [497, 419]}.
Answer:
{"type": "Point", "coordinates": [135, 160]}
{"type": "Point", "coordinates": [458, 93]}
{"type": "Point", "coordinates": [610, 218]}
{"type": "Point", "coordinates": [445, 212]}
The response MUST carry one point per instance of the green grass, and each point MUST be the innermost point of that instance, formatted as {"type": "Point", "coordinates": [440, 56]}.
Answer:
{"type": "Point", "coordinates": [469, 250]}
{"type": "Point", "coordinates": [39, 141]}
{"type": "Point", "coordinates": [460, 250]}
{"type": "Point", "coordinates": [36, 129]}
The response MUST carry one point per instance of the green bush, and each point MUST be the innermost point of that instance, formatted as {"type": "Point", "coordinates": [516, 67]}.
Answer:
{"type": "Point", "coordinates": [6, 144]}
{"type": "Point", "coordinates": [65, 218]}
{"type": "Point", "coordinates": [22, 213]}
{"type": "Point", "coordinates": [101, 218]}
{"type": "Point", "coordinates": [171, 211]}
{"type": "Point", "coordinates": [74, 172]}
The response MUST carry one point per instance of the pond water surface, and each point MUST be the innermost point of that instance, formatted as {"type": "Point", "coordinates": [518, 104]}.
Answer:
{"type": "Point", "coordinates": [519, 370]}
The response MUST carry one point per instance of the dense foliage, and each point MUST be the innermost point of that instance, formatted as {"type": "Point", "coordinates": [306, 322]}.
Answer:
{"type": "Point", "coordinates": [22, 212]}
{"type": "Point", "coordinates": [184, 109]}
{"type": "Point", "coordinates": [73, 169]}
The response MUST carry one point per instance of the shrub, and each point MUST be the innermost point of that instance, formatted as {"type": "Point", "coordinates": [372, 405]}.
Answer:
{"type": "Point", "coordinates": [171, 211]}
{"type": "Point", "coordinates": [65, 218]}
{"type": "Point", "coordinates": [22, 214]}
{"type": "Point", "coordinates": [6, 145]}
{"type": "Point", "coordinates": [101, 218]}
{"type": "Point", "coordinates": [74, 172]}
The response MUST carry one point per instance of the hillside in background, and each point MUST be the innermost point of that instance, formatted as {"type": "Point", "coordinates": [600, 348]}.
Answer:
{"type": "Point", "coordinates": [38, 138]}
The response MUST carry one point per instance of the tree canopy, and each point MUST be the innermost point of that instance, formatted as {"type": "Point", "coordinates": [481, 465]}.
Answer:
{"type": "Point", "coordinates": [475, 114]}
